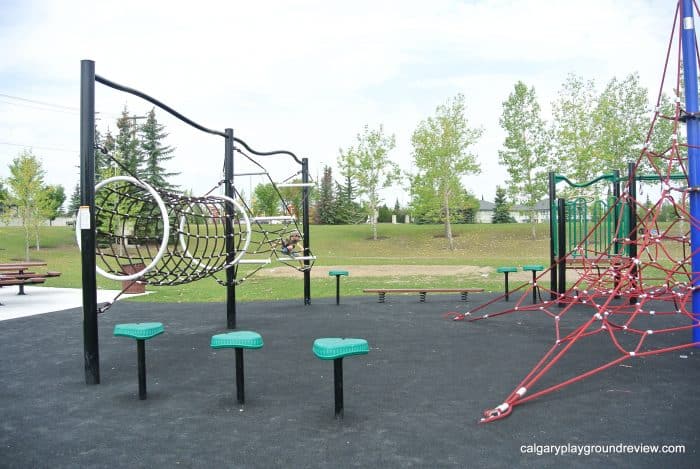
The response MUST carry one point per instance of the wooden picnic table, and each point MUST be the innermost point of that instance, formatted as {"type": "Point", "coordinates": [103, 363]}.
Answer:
{"type": "Point", "coordinates": [19, 273]}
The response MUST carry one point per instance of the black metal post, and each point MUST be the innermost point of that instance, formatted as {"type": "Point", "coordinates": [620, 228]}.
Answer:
{"type": "Point", "coordinates": [552, 235]}
{"type": "Point", "coordinates": [338, 384]}
{"type": "Point", "coordinates": [561, 222]}
{"type": "Point", "coordinates": [141, 357]}
{"type": "Point", "coordinates": [305, 227]}
{"type": "Point", "coordinates": [91, 350]}
{"type": "Point", "coordinates": [337, 289]}
{"type": "Point", "coordinates": [616, 210]}
{"type": "Point", "coordinates": [240, 389]}
{"type": "Point", "coordinates": [506, 284]}
{"type": "Point", "coordinates": [228, 230]}
{"type": "Point", "coordinates": [534, 287]}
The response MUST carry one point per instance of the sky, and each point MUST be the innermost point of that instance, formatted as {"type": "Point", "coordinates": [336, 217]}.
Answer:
{"type": "Point", "coordinates": [305, 76]}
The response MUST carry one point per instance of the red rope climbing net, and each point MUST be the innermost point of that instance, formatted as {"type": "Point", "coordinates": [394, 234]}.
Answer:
{"type": "Point", "coordinates": [640, 302]}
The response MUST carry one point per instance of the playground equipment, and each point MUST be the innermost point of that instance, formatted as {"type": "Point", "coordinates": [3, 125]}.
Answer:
{"type": "Point", "coordinates": [583, 230]}
{"type": "Point", "coordinates": [130, 231]}
{"type": "Point", "coordinates": [641, 286]}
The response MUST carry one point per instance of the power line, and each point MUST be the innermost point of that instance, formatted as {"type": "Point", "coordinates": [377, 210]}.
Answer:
{"type": "Point", "coordinates": [67, 150]}
{"type": "Point", "coordinates": [43, 103]}
{"type": "Point", "coordinates": [63, 111]}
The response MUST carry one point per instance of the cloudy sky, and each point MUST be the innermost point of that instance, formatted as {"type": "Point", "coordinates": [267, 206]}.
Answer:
{"type": "Point", "coordinates": [306, 75]}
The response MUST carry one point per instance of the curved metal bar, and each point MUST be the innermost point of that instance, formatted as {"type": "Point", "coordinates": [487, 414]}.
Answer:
{"type": "Point", "coordinates": [165, 107]}
{"type": "Point", "coordinates": [269, 153]}
{"type": "Point", "coordinates": [560, 178]}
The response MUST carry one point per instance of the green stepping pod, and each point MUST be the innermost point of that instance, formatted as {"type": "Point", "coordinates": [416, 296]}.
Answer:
{"type": "Point", "coordinates": [139, 331]}
{"type": "Point", "coordinates": [534, 268]}
{"type": "Point", "coordinates": [237, 339]}
{"type": "Point", "coordinates": [337, 272]}
{"type": "Point", "coordinates": [332, 348]}
{"type": "Point", "coordinates": [501, 270]}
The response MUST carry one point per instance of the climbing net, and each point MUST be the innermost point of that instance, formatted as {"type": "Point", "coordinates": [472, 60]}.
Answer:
{"type": "Point", "coordinates": [161, 238]}
{"type": "Point", "coordinates": [640, 302]}
{"type": "Point", "coordinates": [270, 232]}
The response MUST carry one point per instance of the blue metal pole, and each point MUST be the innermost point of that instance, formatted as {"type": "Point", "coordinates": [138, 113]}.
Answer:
{"type": "Point", "coordinates": [690, 74]}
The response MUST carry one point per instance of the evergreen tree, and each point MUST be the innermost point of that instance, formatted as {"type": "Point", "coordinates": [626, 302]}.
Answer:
{"type": "Point", "coordinates": [74, 201]}
{"type": "Point", "coordinates": [155, 153]}
{"type": "Point", "coordinates": [501, 211]}
{"type": "Point", "coordinates": [326, 204]}
{"type": "Point", "coordinates": [127, 148]}
{"type": "Point", "coordinates": [346, 209]}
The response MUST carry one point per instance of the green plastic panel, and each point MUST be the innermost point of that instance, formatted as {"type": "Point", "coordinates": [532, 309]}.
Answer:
{"type": "Point", "coordinates": [501, 270]}
{"type": "Point", "coordinates": [142, 330]}
{"type": "Point", "coordinates": [332, 348]}
{"type": "Point", "coordinates": [338, 272]}
{"type": "Point", "coordinates": [237, 339]}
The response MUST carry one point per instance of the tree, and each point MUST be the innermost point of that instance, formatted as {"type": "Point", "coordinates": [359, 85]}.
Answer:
{"type": "Point", "coordinates": [52, 197]}
{"type": "Point", "coordinates": [74, 201]}
{"type": "Point", "coordinates": [573, 130]}
{"type": "Point", "coordinates": [4, 197]}
{"type": "Point", "coordinates": [325, 205]}
{"type": "Point", "coordinates": [266, 200]}
{"type": "Point", "coordinates": [621, 121]}
{"type": "Point", "coordinates": [501, 211]}
{"type": "Point", "coordinates": [347, 210]}
{"type": "Point", "coordinates": [127, 148]}
{"type": "Point", "coordinates": [370, 166]}
{"type": "Point", "coordinates": [526, 149]}
{"type": "Point", "coordinates": [441, 156]}
{"type": "Point", "coordinates": [26, 182]}
{"type": "Point", "coordinates": [155, 153]}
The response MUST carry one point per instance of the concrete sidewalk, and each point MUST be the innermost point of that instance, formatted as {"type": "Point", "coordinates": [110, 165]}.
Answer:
{"type": "Point", "coordinates": [40, 300]}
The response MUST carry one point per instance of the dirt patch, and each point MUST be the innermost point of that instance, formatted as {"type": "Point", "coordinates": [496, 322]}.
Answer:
{"type": "Point", "coordinates": [386, 270]}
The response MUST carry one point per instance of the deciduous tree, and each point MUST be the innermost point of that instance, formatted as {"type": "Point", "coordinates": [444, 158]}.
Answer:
{"type": "Point", "coordinates": [368, 163]}
{"type": "Point", "coordinates": [441, 155]}
{"type": "Point", "coordinates": [526, 149]}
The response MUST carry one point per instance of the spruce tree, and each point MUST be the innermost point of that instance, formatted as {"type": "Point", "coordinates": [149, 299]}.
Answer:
{"type": "Point", "coordinates": [326, 205]}
{"type": "Point", "coordinates": [127, 149]}
{"type": "Point", "coordinates": [501, 212]}
{"type": "Point", "coordinates": [155, 153]}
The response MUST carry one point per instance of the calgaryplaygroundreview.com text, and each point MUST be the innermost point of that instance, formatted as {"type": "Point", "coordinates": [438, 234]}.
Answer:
{"type": "Point", "coordinates": [589, 449]}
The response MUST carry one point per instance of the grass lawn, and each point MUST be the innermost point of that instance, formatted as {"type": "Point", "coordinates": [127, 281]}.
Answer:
{"type": "Point", "coordinates": [482, 245]}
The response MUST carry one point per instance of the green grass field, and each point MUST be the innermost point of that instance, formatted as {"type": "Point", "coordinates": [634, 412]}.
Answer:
{"type": "Point", "coordinates": [482, 245]}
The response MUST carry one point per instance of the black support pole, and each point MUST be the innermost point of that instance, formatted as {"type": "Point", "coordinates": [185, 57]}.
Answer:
{"type": "Point", "coordinates": [91, 350]}
{"type": "Point", "coordinates": [561, 222]}
{"type": "Point", "coordinates": [337, 289]}
{"type": "Point", "coordinates": [338, 384]}
{"type": "Point", "coordinates": [228, 229]}
{"type": "Point", "coordinates": [305, 227]}
{"type": "Point", "coordinates": [552, 235]}
{"type": "Point", "coordinates": [240, 384]}
{"type": "Point", "coordinates": [141, 358]}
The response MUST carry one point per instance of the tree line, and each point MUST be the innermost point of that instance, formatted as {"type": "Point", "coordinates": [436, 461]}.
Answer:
{"type": "Point", "coordinates": [135, 149]}
{"type": "Point", "coordinates": [589, 133]}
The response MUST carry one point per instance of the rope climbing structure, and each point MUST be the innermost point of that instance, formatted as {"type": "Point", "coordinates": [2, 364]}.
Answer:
{"type": "Point", "coordinates": [642, 296]}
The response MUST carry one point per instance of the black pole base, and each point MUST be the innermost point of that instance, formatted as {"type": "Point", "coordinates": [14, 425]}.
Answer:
{"type": "Point", "coordinates": [240, 389]}
{"type": "Point", "coordinates": [338, 385]}
{"type": "Point", "coordinates": [141, 357]}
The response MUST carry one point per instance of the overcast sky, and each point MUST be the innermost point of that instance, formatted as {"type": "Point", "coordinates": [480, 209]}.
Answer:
{"type": "Point", "coordinates": [305, 76]}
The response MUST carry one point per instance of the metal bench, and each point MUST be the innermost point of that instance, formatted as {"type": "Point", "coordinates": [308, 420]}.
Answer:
{"type": "Point", "coordinates": [422, 292]}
